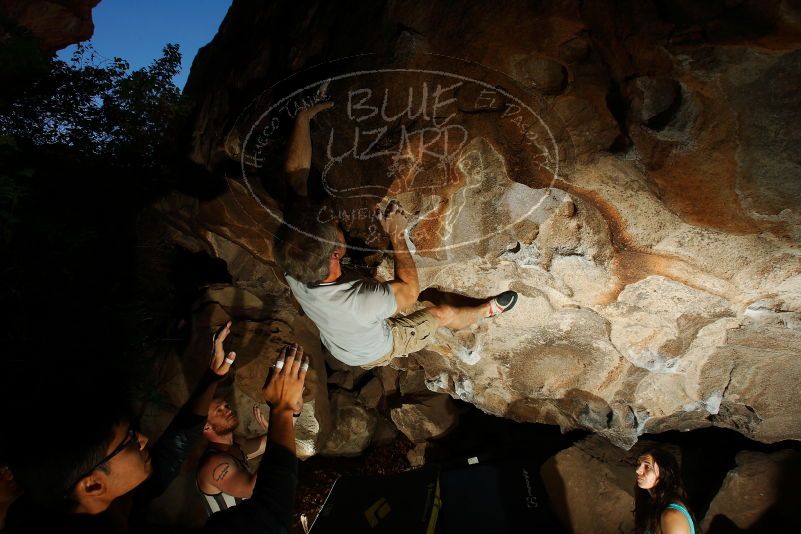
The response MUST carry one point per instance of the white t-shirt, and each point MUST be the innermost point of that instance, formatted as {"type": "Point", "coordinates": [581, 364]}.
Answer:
{"type": "Point", "coordinates": [350, 316]}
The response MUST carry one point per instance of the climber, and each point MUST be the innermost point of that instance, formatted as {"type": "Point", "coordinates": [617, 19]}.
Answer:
{"type": "Point", "coordinates": [224, 477]}
{"type": "Point", "coordinates": [359, 319]}
{"type": "Point", "coordinates": [660, 502]}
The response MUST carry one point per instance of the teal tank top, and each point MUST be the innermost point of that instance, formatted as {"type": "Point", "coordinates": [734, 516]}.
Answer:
{"type": "Point", "coordinates": [684, 511]}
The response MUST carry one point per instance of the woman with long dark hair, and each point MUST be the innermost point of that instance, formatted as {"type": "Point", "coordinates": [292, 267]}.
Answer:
{"type": "Point", "coordinates": [660, 502]}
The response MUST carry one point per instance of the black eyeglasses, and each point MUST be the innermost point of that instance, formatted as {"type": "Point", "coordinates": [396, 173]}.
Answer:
{"type": "Point", "coordinates": [133, 436]}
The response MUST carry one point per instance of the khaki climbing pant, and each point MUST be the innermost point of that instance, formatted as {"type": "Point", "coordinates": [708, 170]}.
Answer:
{"type": "Point", "coordinates": [410, 333]}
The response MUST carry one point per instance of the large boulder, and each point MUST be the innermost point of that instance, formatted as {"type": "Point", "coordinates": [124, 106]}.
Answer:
{"type": "Point", "coordinates": [633, 176]}
{"type": "Point", "coordinates": [759, 495]}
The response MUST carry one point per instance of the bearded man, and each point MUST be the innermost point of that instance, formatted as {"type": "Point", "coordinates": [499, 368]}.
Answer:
{"type": "Point", "coordinates": [224, 477]}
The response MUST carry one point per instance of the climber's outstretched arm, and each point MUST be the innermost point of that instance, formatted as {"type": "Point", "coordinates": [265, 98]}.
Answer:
{"type": "Point", "coordinates": [299, 152]}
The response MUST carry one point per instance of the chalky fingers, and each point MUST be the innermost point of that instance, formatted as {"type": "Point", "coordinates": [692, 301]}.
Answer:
{"type": "Point", "coordinates": [279, 363]}
{"type": "Point", "coordinates": [296, 364]}
{"type": "Point", "coordinates": [290, 359]}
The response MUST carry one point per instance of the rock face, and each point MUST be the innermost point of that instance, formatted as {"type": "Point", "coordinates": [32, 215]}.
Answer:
{"type": "Point", "coordinates": [56, 24]}
{"type": "Point", "coordinates": [353, 427]}
{"type": "Point", "coordinates": [370, 395]}
{"type": "Point", "coordinates": [759, 495]}
{"type": "Point", "coordinates": [600, 503]}
{"type": "Point", "coordinates": [427, 418]}
{"type": "Point", "coordinates": [641, 193]}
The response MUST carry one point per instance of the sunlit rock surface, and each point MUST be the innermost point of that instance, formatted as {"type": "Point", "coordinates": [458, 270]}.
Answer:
{"type": "Point", "coordinates": [644, 199]}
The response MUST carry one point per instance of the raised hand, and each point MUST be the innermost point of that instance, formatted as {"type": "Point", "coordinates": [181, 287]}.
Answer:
{"type": "Point", "coordinates": [259, 416]}
{"type": "Point", "coordinates": [310, 112]}
{"type": "Point", "coordinates": [283, 389]}
{"type": "Point", "coordinates": [393, 220]}
{"type": "Point", "coordinates": [220, 364]}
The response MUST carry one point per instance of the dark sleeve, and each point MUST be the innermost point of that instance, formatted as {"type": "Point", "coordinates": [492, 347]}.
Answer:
{"type": "Point", "coordinates": [269, 509]}
{"type": "Point", "coordinates": [170, 452]}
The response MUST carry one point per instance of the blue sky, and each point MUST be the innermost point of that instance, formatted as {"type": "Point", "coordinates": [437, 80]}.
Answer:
{"type": "Point", "coordinates": [137, 30]}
